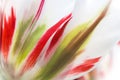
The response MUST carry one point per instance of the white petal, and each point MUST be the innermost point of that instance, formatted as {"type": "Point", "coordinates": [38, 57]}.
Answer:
{"type": "Point", "coordinates": [86, 10]}
{"type": "Point", "coordinates": [104, 36]}
{"type": "Point", "coordinates": [54, 10]}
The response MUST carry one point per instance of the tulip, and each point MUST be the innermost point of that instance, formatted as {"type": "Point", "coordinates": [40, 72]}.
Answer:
{"type": "Point", "coordinates": [54, 39]}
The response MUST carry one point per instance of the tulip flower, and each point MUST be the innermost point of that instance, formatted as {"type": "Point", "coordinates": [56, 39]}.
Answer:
{"type": "Point", "coordinates": [54, 39]}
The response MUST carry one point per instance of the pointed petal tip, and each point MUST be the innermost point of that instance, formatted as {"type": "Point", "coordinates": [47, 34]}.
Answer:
{"type": "Point", "coordinates": [31, 60]}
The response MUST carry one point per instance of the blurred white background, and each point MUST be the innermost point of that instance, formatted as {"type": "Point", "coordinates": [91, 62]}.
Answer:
{"type": "Point", "coordinates": [114, 73]}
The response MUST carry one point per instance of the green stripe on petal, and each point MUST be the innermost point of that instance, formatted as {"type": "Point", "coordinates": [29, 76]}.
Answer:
{"type": "Point", "coordinates": [72, 34]}
{"type": "Point", "coordinates": [66, 52]}
{"type": "Point", "coordinates": [30, 44]}
{"type": "Point", "coordinates": [18, 35]}
{"type": "Point", "coordinates": [62, 56]}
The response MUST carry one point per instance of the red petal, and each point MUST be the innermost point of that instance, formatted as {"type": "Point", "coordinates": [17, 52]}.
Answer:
{"type": "Point", "coordinates": [80, 69]}
{"type": "Point", "coordinates": [7, 33]}
{"type": "Point", "coordinates": [91, 61]}
{"type": "Point", "coordinates": [56, 38]}
{"type": "Point", "coordinates": [88, 64]}
{"type": "Point", "coordinates": [41, 43]}
{"type": "Point", "coordinates": [38, 12]}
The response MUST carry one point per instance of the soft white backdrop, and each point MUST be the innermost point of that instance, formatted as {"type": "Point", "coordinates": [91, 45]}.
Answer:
{"type": "Point", "coordinates": [114, 73]}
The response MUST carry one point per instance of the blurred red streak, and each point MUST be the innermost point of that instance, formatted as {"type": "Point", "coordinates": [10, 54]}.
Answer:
{"type": "Point", "coordinates": [88, 64]}
{"type": "Point", "coordinates": [7, 33]}
{"type": "Point", "coordinates": [31, 60]}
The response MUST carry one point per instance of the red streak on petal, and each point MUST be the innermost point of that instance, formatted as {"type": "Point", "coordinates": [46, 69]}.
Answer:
{"type": "Point", "coordinates": [80, 69]}
{"type": "Point", "coordinates": [56, 39]}
{"type": "Point", "coordinates": [88, 64]}
{"type": "Point", "coordinates": [31, 60]}
{"type": "Point", "coordinates": [38, 12]}
{"type": "Point", "coordinates": [91, 61]}
{"type": "Point", "coordinates": [7, 33]}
